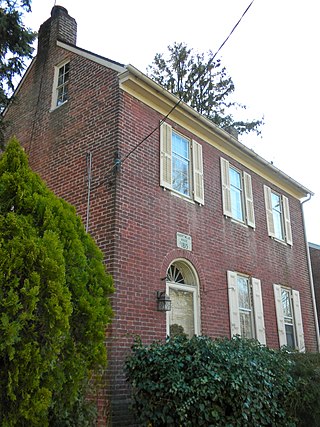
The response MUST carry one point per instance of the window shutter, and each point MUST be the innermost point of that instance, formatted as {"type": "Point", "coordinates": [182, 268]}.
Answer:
{"type": "Point", "coordinates": [249, 199]}
{"type": "Point", "coordinates": [269, 213]}
{"type": "Point", "coordinates": [287, 222]}
{"type": "Point", "coordinates": [233, 304]}
{"type": "Point", "coordinates": [279, 313]}
{"type": "Point", "coordinates": [197, 172]}
{"type": "Point", "coordinates": [225, 182]}
{"type": "Point", "coordinates": [166, 155]}
{"type": "Point", "coordinates": [258, 311]}
{"type": "Point", "coordinates": [298, 320]}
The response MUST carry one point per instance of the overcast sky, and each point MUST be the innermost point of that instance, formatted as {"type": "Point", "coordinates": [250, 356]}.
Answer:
{"type": "Point", "coordinates": [272, 58]}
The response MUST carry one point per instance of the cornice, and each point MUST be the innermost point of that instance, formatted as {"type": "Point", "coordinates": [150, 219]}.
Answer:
{"type": "Point", "coordinates": [152, 94]}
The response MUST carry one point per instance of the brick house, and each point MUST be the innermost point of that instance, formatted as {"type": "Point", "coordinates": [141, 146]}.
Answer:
{"type": "Point", "coordinates": [178, 207]}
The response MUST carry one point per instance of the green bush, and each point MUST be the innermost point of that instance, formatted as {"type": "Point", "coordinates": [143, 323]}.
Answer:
{"type": "Point", "coordinates": [54, 303]}
{"type": "Point", "coordinates": [305, 405]}
{"type": "Point", "coordinates": [204, 382]}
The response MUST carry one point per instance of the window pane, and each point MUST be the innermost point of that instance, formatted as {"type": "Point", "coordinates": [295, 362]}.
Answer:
{"type": "Point", "coordinates": [182, 313]}
{"type": "Point", "coordinates": [62, 84]}
{"type": "Point", "coordinates": [288, 316]}
{"type": "Point", "coordinates": [286, 303]}
{"type": "Point", "coordinates": [236, 204]}
{"type": "Point", "coordinates": [246, 325]}
{"type": "Point", "coordinates": [180, 176]}
{"type": "Point", "coordinates": [235, 179]}
{"type": "Point", "coordinates": [180, 164]}
{"type": "Point", "coordinates": [277, 215]}
{"type": "Point", "coordinates": [290, 336]}
{"type": "Point", "coordinates": [245, 307]}
{"type": "Point", "coordinates": [180, 146]}
{"type": "Point", "coordinates": [244, 293]}
{"type": "Point", "coordinates": [236, 194]}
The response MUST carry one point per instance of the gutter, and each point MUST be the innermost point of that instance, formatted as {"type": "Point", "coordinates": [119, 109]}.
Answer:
{"type": "Point", "coordinates": [311, 276]}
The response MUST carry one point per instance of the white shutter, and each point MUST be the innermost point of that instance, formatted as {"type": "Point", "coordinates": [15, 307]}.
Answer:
{"type": "Point", "coordinates": [258, 311]}
{"type": "Point", "coordinates": [225, 182]}
{"type": "Point", "coordinates": [233, 304]}
{"type": "Point", "coordinates": [166, 155]}
{"type": "Point", "coordinates": [298, 320]}
{"type": "Point", "coordinates": [287, 222]}
{"type": "Point", "coordinates": [249, 199]}
{"type": "Point", "coordinates": [197, 172]}
{"type": "Point", "coordinates": [280, 318]}
{"type": "Point", "coordinates": [269, 213]}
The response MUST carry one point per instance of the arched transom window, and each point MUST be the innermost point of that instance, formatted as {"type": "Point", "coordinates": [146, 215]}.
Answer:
{"type": "Point", "coordinates": [183, 290]}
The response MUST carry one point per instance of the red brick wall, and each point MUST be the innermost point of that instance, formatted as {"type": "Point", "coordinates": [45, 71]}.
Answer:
{"type": "Point", "coordinates": [148, 218]}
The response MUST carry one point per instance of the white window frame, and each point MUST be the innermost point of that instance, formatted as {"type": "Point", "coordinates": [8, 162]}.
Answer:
{"type": "Point", "coordinates": [285, 216]}
{"type": "Point", "coordinates": [257, 306]}
{"type": "Point", "coordinates": [247, 194]}
{"type": "Point", "coordinates": [192, 288]}
{"type": "Point", "coordinates": [196, 165]}
{"type": "Point", "coordinates": [55, 87]}
{"type": "Point", "coordinates": [297, 317]}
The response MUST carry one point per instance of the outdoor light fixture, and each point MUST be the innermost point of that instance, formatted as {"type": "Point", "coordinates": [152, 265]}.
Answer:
{"type": "Point", "coordinates": [163, 301]}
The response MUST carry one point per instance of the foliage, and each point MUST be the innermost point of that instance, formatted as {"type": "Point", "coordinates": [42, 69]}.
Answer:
{"type": "Point", "coordinates": [201, 82]}
{"type": "Point", "coordinates": [204, 382]}
{"type": "Point", "coordinates": [54, 303]}
{"type": "Point", "coordinates": [306, 404]}
{"type": "Point", "coordinates": [82, 413]}
{"type": "Point", "coordinates": [15, 47]}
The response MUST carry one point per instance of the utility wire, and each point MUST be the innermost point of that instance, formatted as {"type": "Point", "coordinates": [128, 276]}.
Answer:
{"type": "Point", "coordinates": [151, 133]}
{"type": "Point", "coordinates": [120, 161]}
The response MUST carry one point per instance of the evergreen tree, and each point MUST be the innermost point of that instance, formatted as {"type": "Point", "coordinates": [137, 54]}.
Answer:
{"type": "Point", "coordinates": [54, 304]}
{"type": "Point", "coordinates": [15, 47]}
{"type": "Point", "coordinates": [202, 83]}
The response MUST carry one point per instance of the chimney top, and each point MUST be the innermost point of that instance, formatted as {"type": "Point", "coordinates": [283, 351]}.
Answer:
{"type": "Point", "coordinates": [60, 26]}
{"type": "Point", "coordinates": [57, 9]}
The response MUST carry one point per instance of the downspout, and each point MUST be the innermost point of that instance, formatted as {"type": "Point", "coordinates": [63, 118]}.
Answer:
{"type": "Point", "coordinates": [311, 276]}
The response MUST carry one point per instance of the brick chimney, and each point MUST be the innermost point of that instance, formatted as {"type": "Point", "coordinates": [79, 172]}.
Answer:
{"type": "Point", "coordinates": [61, 26]}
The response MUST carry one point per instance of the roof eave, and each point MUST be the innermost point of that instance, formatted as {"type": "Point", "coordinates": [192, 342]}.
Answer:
{"type": "Point", "coordinates": [133, 80]}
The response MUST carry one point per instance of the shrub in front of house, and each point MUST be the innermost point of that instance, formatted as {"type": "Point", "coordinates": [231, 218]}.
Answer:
{"type": "Point", "coordinates": [205, 382]}
{"type": "Point", "coordinates": [305, 404]}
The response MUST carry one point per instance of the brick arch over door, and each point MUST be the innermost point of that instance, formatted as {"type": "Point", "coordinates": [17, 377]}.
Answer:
{"type": "Point", "coordinates": [188, 256]}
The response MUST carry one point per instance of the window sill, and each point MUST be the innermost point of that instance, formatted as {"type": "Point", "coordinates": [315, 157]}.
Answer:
{"type": "Point", "coordinates": [235, 221]}
{"type": "Point", "coordinates": [282, 242]}
{"type": "Point", "coordinates": [57, 106]}
{"type": "Point", "coordinates": [179, 196]}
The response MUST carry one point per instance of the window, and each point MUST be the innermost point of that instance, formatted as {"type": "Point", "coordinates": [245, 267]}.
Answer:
{"type": "Point", "coordinates": [289, 317]}
{"type": "Point", "coordinates": [182, 288]}
{"type": "Point", "coordinates": [278, 215]}
{"type": "Point", "coordinates": [60, 84]}
{"type": "Point", "coordinates": [245, 307]}
{"type": "Point", "coordinates": [237, 198]}
{"type": "Point", "coordinates": [181, 165]}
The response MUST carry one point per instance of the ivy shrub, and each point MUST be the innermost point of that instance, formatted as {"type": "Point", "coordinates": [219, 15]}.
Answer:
{"type": "Point", "coordinates": [305, 405]}
{"type": "Point", "coordinates": [205, 382]}
{"type": "Point", "coordinates": [54, 304]}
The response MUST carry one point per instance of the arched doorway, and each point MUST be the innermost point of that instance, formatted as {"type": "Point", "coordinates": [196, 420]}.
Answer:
{"type": "Point", "coordinates": [183, 289]}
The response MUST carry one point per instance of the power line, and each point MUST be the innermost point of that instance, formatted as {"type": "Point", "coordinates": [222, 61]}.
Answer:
{"type": "Point", "coordinates": [195, 81]}
{"type": "Point", "coordinates": [119, 162]}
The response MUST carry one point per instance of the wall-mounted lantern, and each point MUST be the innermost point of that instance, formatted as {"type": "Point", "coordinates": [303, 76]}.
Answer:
{"type": "Point", "coordinates": [163, 301]}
